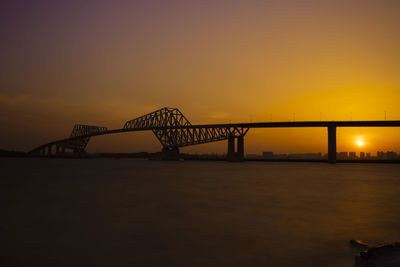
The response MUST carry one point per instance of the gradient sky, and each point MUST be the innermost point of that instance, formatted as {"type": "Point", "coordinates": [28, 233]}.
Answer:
{"type": "Point", "coordinates": [106, 62]}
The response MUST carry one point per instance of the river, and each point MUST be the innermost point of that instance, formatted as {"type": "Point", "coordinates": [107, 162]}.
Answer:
{"type": "Point", "coordinates": [115, 212]}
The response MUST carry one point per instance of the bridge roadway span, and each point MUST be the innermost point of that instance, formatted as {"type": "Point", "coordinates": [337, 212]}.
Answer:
{"type": "Point", "coordinates": [173, 130]}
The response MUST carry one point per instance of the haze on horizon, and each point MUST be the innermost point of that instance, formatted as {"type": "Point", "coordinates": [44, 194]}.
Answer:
{"type": "Point", "coordinates": [106, 62]}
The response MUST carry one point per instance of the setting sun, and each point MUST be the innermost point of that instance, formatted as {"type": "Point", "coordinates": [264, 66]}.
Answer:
{"type": "Point", "coordinates": [360, 143]}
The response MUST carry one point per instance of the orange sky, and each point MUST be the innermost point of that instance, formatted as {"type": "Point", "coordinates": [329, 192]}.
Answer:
{"type": "Point", "coordinates": [106, 62]}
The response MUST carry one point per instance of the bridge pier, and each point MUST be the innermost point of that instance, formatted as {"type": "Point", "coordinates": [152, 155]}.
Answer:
{"type": "Point", "coordinates": [60, 150]}
{"type": "Point", "coordinates": [238, 154]}
{"type": "Point", "coordinates": [231, 147]}
{"type": "Point", "coordinates": [169, 153]}
{"type": "Point", "coordinates": [332, 144]}
{"type": "Point", "coordinates": [240, 148]}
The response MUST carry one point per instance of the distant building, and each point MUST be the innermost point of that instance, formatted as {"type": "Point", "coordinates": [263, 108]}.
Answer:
{"type": "Point", "coordinates": [368, 156]}
{"type": "Point", "coordinates": [352, 155]}
{"type": "Point", "coordinates": [391, 155]}
{"type": "Point", "coordinates": [342, 156]}
{"type": "Point", "coordinates": [252, 156]}
{"type": "Point", "coordinates": [362, 155]}
{"type": "Point", "coordinates": [268, 154]}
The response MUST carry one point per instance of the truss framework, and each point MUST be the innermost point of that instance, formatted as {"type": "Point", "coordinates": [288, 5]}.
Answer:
{"type": "Point", "coordinates": [79, 145]}
{"type": "Point", "coordinates": [169, 125]}
{"type": "Point", "coordinates": [173, 129]}
{"type": "Point", "coordinates": [80, 130]}
{"type": "Point", "coordinates": [74, 143]}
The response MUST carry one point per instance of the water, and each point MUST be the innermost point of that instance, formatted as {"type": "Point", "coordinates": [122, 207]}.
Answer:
{"type": "Point", "coordinates": [108, 212]}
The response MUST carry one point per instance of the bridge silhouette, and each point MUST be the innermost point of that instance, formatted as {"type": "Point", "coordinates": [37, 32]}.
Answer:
{"type": "Point", "coordinates": [173, 130]}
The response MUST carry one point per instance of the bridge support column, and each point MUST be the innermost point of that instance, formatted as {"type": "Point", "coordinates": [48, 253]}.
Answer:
{"type": "Point", "coordinates": [60, 150]}
{"type": "Point", "coordinates": [240, 148]}
{"type": "Point", "coordinates": [238, 154]}
{"type": "Point", "coordinates": [168, 153]}
{"type": "Point", "coordinates": [49, 150]}
{"type": "Point", "coordinates": [332, 144]}
{"type": "Point", "coordinates": [231, 148]}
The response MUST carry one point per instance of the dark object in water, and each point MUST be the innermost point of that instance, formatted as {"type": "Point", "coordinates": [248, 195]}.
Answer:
{"type": "Point", "coordinates": [387, 255]}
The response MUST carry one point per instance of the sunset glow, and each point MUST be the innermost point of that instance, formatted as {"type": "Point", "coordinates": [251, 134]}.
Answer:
{"type": "Point", "coordinates": [103, 64]}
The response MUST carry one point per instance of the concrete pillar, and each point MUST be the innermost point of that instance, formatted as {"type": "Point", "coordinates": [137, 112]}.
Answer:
{"type": "Point", "coordinates": [240, 148]}
{"type": "Point", "coordinates": [49, 150]}
{"type": "Point", "coordinates": [231, 148]}
{"type": "Point", "coordinates": [60, 150]}
{"type": "Point", "coordinates": [332, 144]}
{"type": "Point", "coordinates": [238, 154]}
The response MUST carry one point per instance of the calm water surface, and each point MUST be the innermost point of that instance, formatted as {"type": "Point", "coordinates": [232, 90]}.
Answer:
{"type": "Point", "coordinates": [107, 212]}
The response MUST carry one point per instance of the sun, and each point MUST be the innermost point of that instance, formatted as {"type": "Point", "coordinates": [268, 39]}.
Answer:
{"type": "Point", "coordinates": [360, 143]}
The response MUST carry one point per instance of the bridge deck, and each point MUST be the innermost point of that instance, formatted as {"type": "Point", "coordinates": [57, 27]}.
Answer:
{"type": "Point", "coordinates": [296, 124]}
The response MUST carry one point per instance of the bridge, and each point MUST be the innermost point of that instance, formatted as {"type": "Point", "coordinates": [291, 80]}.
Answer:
{"type": "Point", "coordinates": [173, 130]}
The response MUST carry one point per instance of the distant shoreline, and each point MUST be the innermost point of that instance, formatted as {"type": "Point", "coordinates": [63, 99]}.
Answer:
{"type": "Point", "coordinates": [324, 160]}
{"type": "Point", "coordinates": [156, 156]}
